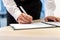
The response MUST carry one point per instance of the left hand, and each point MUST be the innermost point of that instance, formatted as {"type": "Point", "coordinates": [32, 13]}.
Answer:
{"type": "Point", "coordinates": [53, 18]}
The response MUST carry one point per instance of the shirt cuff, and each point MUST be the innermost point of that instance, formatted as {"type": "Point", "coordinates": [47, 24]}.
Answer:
{"type": "Point", "coordinates": [16, 15]}
{"type": "Point", "coordinates": [49, 13]}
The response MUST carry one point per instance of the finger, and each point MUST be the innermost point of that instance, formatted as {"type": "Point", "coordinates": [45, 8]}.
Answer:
{"type": "Point", "coordinates": [27, 17]}
{"type": "Point", "coordinates": [46, 19]}
{"type": "Point", "coordinates": [21, 22]}
{"type": "Point", "coordinates": [24, 20]}
{"type": "Point", "coordinates": [30, 17]}
{"type": "Point", "coordinates": [50, 18]}
{"type": "Point", "coordinates": [58, 19]}
{"type": "Point", "coordinates": [53, 20]}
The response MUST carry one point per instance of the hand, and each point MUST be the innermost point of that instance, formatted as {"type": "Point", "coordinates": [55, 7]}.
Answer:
{"type": "Point", "coordinates": [52, 18]}
{"type": "Point", "coordinates": [24, 19]}
{"type": "Point", "coordinates": [58, 19]}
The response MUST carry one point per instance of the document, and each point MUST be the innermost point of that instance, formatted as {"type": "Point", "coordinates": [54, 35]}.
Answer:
{"type": "Point", "coordinates": [57, 24]}
{"type": "Point", "coordinates": [30, 26]}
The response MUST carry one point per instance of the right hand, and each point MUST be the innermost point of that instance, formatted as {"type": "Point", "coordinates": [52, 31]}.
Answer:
{"type": "Point", "coordinates": [24, 19]}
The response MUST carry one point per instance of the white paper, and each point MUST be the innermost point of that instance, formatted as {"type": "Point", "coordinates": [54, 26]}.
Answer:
{"type": "Point", "coordinates": [54, 23]}
{"type": "Point", "coordinates": [26, 26]}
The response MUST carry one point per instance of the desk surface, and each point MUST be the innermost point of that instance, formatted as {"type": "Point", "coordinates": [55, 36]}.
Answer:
{"type": "Point", "coordinates": [8, 31]}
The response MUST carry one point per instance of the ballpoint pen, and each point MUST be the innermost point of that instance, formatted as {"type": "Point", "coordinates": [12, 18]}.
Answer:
{"type": "Point", "coordinates": [23, 9]}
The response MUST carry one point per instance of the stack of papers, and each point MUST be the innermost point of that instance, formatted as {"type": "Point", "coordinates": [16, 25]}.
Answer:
{"type": "Point", "coordinates": [54, 23]}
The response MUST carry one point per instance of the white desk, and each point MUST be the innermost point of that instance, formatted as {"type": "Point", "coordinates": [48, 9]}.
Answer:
{"type": "Point", "coordinates": [7, 33]}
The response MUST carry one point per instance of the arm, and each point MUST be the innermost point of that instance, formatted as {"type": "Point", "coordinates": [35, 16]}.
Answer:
{"type": "Point", "coordinates": [49, 7]}
{"type": "Point", "coordinates": [16, 13]}
{"type": "Point", "coordinates": [12, 8]}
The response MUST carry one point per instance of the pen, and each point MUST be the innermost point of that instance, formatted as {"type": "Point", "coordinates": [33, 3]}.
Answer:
{"type": "Point", "coordinates": [23, 10]}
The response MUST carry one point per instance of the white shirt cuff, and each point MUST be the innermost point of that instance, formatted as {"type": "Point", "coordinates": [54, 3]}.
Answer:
{"type": "Point", "coordinates": [16, 15]}
{"type": "Point", "coordinates": [49, 13]}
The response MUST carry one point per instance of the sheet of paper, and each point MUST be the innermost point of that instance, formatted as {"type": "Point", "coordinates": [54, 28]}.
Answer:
{"type": "Point", "coordinates": [28, 26]}
{"type": "Point", "coordinates": [54, 23]}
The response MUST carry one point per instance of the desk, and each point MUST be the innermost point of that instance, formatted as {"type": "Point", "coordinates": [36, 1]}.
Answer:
{"type": "Point", "coordinates": [7, 33]}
